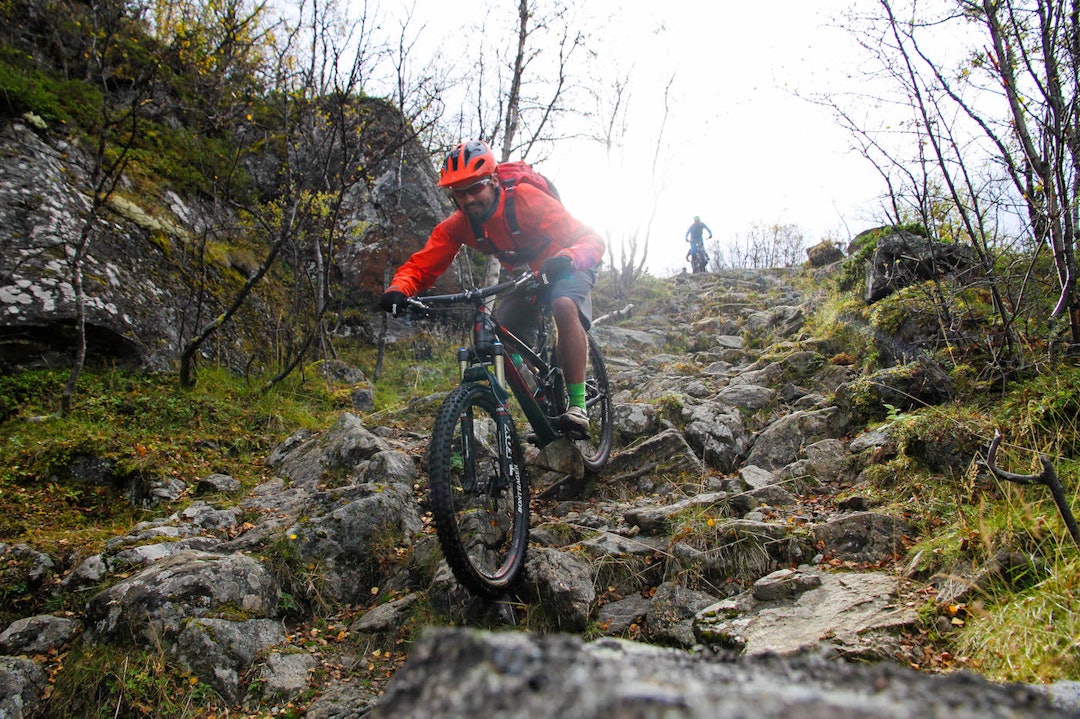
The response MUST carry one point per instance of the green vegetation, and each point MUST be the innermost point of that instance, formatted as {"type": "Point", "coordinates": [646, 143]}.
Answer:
{"type": "Point", "coordinates": [66, 482]}
{"type": "Point", "coordinates": [1013, 625]}
{"type": "Point", "coordinates": [103, 681]}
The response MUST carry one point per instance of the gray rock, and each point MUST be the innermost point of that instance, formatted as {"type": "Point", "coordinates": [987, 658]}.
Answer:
{"type": "Point", "coordinates": [780, 443]}
{"type": "Point", "coordinates": [872, 439]}
{"type": "Point", "coordinates": [347, 446]}
{"type": "Point", "coordinates": [754, 477]}
{"type": "Point", "coordinates": [656, 519]}
{"type": "Point", "coordinates": [286, 675]}
{"type": "Point", "coordinates": [218, 483]}
{"type": "Point", "coordinates": [562, 584]}
{"type": "Point", "coordinates": [864, 536]}
{"type": "Point", "coordinates": [902, 258]}
{"type": "Point", "coordinates": [624, 564]}
{"type": "Point", "coordinates": [856, 615]}
{"type": "Point", "coordinates": [620, 340]}
{"type": "Point", "coordinates": [562, 456]}
{"type": "Point", "coordinates": [1064, 695]}
{"type": "Point", "coordinates": [741, 548]}
{"type": "Point", "coordinates": [386, 617]}
{"type": "Point", "coordinates": [342, 527]}
{"type": "Point", "coordinates": [749, 397]}
{"type": "Point", "coordinates": [220, 651]}
{"type": "Point", "coordinates": [206, 517]}
{"type": "Point", "coordinates": [716, 433]}
{"type": "Point", "coordinates": [784, 584]}
{"type": "Point", "coordinates": [616, 618]}
{"type": "Point", "coordinates": [666, 453]}
{"type": "Point", "coordinates": [21, 685]}
{"type": "Point", "coordinates": [633, 420]}
{"type": "Point", "coordinates": [157, 601]}
{"type": "Point", "coordinates": [89, 572]}
{"type": "Point", "coordinates": [343, 701]}
{"type": "Point", "coordinates": [38, 634]}
{"type": "Point", "coordinates": [511, 675]}
{"type": "Point", "coordinates": [773, 495]}
{"type": "Point", "coordinates": [670, 619]}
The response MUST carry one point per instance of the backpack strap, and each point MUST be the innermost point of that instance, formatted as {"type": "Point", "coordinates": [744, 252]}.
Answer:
{"type": "Point", "coordinates": [510, 208]}
{"type": "Point", "coordinates": [513, 258]}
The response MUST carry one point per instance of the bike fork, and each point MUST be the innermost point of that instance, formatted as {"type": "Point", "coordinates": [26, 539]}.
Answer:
{"type": "Point", "coordinates": [508, 466]}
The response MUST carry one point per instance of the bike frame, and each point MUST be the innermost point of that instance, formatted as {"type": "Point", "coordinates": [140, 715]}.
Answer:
{"type": "Point", "coordinates": [485, 360]}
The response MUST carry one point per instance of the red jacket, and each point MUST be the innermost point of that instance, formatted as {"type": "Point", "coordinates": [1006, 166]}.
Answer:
{"type": "Point", "coordinates": [547, 229]}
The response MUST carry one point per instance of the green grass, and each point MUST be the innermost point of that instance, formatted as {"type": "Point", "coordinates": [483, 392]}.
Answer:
{"type": "Point", "coordinates": [1013, 629]}
{"type": "Point", "coordinates": [1032, 635]}
{"type": "Point", "coordinates": [63, 479]}
{"type": "Point", "coordinates": [106, 681]}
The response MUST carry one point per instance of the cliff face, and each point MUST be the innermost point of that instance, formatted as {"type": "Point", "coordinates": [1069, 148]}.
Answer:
{"type": "Point", "coordinates": [148, 279]}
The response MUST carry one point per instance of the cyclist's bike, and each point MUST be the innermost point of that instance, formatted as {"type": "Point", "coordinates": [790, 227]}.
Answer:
{"type": "Point", "coordinates": [478, 485]}
{"type": "Point", "coordinates": [699, 259]}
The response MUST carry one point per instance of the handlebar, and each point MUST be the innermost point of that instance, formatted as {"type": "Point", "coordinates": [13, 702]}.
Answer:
{"type": "Point", "coordinates": [475, 296]}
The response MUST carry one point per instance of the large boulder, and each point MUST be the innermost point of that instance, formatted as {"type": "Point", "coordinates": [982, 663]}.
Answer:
{"type": "Point", "coordinates": [158, 601]}
{"type": "Point", "coordinates": [134, 301]}
{"type": "Point", "coordinates": [145, 290]}
{"type": "Point", "coordinates": [463, 672]}
{"type": "Point", "coordinates": [903, 258]}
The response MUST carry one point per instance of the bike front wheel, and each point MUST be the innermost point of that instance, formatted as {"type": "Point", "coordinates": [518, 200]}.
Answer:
{"type": "Point", "coordinates": [479, 493]}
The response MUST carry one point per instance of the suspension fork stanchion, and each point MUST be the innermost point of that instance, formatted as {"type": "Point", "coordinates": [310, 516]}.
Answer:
{"type": "Point", "coordinates": [463, 361]}
{"type": "Point", "coordinates": [498, 359]}
{"type": "Point", "coordinates": [508, 467]}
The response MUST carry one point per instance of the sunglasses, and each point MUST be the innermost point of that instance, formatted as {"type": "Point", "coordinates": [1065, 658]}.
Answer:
{"type": "Point", "coordinates": [463, 192]}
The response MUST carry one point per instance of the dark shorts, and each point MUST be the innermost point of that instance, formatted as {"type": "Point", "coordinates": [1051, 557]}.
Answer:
{"type": "Point", "coordinates": [520, 311]}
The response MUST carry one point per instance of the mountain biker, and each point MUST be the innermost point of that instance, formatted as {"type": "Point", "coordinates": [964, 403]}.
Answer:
{"type": "Point", "coordinates": [550, 240]}
{"type": "Point", "coordinates": [694, 237]}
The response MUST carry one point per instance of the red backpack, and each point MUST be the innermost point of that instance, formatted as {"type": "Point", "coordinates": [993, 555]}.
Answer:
{"type": "Point", "coordinates": [511, 174]}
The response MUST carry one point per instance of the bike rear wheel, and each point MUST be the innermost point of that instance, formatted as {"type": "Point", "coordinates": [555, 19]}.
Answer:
{"type": "Point", "coordinates": [596, 449]}
{"type": "Point", "coordinates": [479, 493]}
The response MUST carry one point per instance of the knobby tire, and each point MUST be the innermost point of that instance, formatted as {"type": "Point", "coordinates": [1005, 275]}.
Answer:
{"type": "Point", "coordinates": [596, 450]}
{"type": "Point", "coordinates": [481, 514]}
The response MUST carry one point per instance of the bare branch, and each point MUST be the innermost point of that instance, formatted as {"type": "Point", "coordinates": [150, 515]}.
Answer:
{"type": "Point", "coordinates": [1047, 477]}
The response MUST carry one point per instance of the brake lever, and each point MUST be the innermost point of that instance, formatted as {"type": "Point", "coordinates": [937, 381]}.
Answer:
{"type": "Point", "coordinates": [413, 308]}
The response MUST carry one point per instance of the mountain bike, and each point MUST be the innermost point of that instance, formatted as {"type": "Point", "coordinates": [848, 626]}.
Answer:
{"type": "Point", "coordinates": [479, 490]}
{"type": "Point", "coordinates": [699, 260]}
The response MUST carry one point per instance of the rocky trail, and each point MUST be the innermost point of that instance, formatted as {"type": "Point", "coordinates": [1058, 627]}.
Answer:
{"type": "Point", "coordinates": [726, 562]}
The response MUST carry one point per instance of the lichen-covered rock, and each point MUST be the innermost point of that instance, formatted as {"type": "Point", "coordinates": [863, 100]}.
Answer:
{"type": "Point", "coordinates": [219, 651]}
{"type": "Point", "coordinates": [38, 634]}
{"type": "Point", "coordinates": [463, 672]}
{"type": "Point", "coordinates": [21, 683]}
{"type": "Point", "coordinates": [157, 601]}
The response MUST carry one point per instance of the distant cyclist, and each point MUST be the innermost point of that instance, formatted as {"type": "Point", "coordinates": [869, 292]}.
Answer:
{"type": "Point", "coordinates": [694, 235]}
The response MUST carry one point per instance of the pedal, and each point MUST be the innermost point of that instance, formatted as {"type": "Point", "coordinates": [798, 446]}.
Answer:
{"type": "Point", "coordinates": [573, 431]}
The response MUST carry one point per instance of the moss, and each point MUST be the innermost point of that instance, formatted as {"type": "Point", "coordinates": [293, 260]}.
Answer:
{"type": "Point", "coordinates": [26, 88]}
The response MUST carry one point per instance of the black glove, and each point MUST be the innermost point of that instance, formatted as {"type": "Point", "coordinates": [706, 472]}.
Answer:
{"type": "Point", "coordinates": [393, 302]}
{"type": "Point", "coordinates": [557, 267]}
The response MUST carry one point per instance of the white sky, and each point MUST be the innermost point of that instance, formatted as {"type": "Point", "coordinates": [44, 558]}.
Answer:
{"type": "Point", "coordinates": [742, 149]}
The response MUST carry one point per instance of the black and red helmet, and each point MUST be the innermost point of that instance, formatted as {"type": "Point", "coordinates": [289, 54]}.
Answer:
{"type": "Point", "coordinates": [472, 160]}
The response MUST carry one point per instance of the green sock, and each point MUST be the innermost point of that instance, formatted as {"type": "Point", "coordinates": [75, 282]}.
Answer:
{"type": "Point", "coordinates": [576, 393]}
